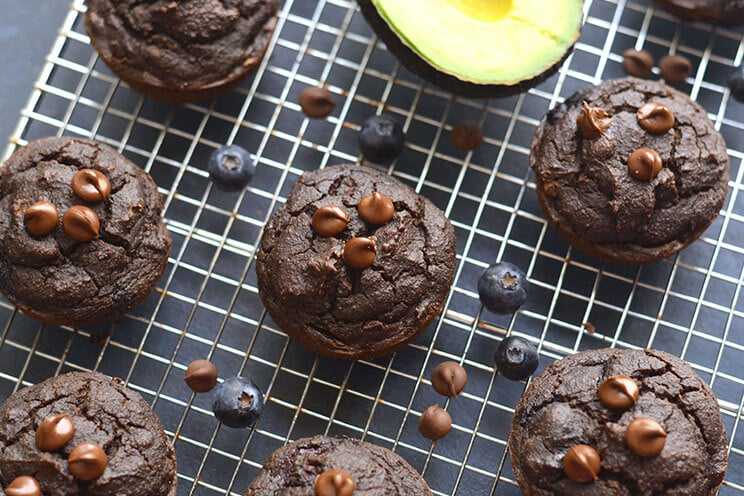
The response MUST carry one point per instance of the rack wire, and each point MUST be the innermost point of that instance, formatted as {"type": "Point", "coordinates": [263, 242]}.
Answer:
{"type": "Point", "coordinates": [207, 304]}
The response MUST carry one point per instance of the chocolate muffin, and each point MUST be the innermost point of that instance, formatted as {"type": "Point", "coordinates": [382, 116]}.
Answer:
{"type": "Point", "coordinates": [618, 423]}
{"type": "Point", "coordinates": [126, 452]}
{"type": "Point", "coordinates": [629, 171]}
{"type": "Point", "coordinates": [181, 51]}
{"type": "Point", "coordinates": [336, 465]}
{"type": "Point", "coordinates": [356, 264]}
{"type": "Point", "coordinates": [82, 240]}
{"type": "Point", "coordinates": [714, 11]}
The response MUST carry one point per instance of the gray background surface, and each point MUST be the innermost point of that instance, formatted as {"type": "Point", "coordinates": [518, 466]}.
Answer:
{"type": "Point", "coordinates": [27, 30]}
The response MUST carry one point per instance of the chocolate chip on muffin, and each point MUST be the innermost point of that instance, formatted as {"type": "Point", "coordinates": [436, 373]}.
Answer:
{"type": "Point", "coordinates": [371, 262]}
{"type": "Point", "coordinates": [181, 51]}
{"type": "Point", "coordinates": [618, 423]}
{"type": "Point", "coordinates": [635, 186]}
{"type": "Point", "coordinates": [110, 248]}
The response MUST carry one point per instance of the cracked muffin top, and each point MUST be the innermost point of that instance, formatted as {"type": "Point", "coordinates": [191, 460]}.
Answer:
{"type": "Point", "coordinates": [181, 51]}
{"type": "Point", "coordinates": [356, 264]}
{"type": "Point", "coordinates": [630, 171]}
{"type": "Point", "coordinates": [308, 467]}
{"type": "Point", "coordinates": [715, 11]}
{"type": "Point", "coordinates": [139, 458]}
{"type": "Point", "coordinates": [639, 423]}
{"type": "Point", "coordinates": [82, 240]}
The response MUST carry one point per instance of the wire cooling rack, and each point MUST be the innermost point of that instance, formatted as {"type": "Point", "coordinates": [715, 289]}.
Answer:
{"type": "Point", "coordinates": [207, 304]}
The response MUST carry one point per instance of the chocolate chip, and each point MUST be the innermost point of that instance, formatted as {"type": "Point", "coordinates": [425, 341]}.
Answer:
{"type": "Point", "coordinates": [644, 164]}
{"type": "Point", "coordinates": [645, 437]}
{"type": "Point", "coordinates": [334, 482]}
{"type": "Point", "coordinates": [91, 185]}
{"type": "Point", "coordinates": [376, 209]}
{"type": "Point", "coordinates": [551, 189]}
{"type": "Point", "coordinates": [360, 253]}
{"type": "Point", "coordinates": [41, 218]}
{"type": "Point", "coordinates": [638, 63]}
{"type": "Point", "coordinates": [201, 376]}
{"type": "Point", "coordinates": [330, 220]}
{"type": "Point", "coordinates": [675, 68]}
{"type": "Point", "coordinates": [317, 103]}
{"type": "Point", "coordinates": [435, 423]}
{"type": "Point", "coordinates": [55, 432]}
{"type": "Point", "coordinates": [593, 121]}
{"type": "Point", "coordinates": [87, 461]}
{"type": "Point", "coordinates": [654, 117]}
{"type": "Point", "coordinates": [618, 392]}
{"type": "Point", "coordinates": [81, 223]}
{"type": "Point", "coordinates": [449, 379]}
{"type": "Point", "coordinates": [24, 485]}
{"type": "Point", "coordinates": [466, 136]}
{"type": "Point", "coordinates": [582, 463]}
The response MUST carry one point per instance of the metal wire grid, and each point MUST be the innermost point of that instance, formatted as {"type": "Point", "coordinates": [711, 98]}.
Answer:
{"type": "Point", "coordinates": [207, 304]}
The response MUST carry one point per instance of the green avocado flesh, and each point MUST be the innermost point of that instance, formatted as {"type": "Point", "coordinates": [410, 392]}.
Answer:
{"type": "Point", "coordinates": [500, 42]}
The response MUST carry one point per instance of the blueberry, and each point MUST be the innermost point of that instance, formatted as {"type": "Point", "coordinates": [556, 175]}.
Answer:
{"type": "Point", "coordinates": [381, 139]}
{"type": "Point", "coordinates": [515, 358]}
{"type": "Point", "coordinates": [736, 83]}
{"type": "Point", "coordinates": [502, 288]}
{"type": "Point", "coordinates": [231, 168]}
{"type": "Point", "coordinates": [237, 403]}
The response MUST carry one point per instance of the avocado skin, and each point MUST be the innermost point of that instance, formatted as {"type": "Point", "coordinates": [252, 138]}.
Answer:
{"type": "Point", "coordinates": [417, 65]}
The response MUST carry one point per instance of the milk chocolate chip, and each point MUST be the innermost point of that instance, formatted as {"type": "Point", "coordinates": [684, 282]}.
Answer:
{"type": "Point", "coordinates": [81, 223]}
{"type": "Point", "coordinates": [466, 136]}
{"type": "Point", "coordinates": [593, 121]}
{"type": "Point", "coordinates": [582, 463]}
{"type": "Point", "coordinates": [376, 209]}
{"type": "Point", "coordinates": [644, 164]}
{"type": "Point", "coordinates": [638, 63]}
{"type": "Point", "coordinates": [449, 379]}
{"type": "Point", "coordinates": [435, 423]}
{"type": "Point", "coordinates": [41, 218]}
{"type": "Point", "coordinates": [316, 102]}
{"type": "Point", "coordinates": [334, 482]}
{"type": "Point", "coordinates": [656, 118]}
{"type": "Point", "coordinates": [23, 486]}
{"type": "Point", "coordinates": [675, 68]}
{"type": "Point", "coordinates": [360, 253]}
{"type": "Point", "coordinates": [645, 437]}
{"type": "Point", "coordinates": [55, 432]}
{"type": "Point", "coordinates": [330, 220]}
{"type": "Point", "coordinates": [619, 392]}
{"type": "Point", "coordinates": [91, 185]}
{"type": "Point", "coordinates": [87, 461]}
{"type": "Point", "coordinates": [201, 376]}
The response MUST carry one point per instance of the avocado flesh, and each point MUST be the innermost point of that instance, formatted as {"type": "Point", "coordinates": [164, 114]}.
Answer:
{"type": "Point", "coordinates": [489, 42]}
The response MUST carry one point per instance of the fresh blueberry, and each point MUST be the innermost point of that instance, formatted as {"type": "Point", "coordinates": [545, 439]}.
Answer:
{"type": "Point", "coordinates": [231, 168]}
{"type": "Point", "coordinates": [237, 403]}
{"type": "Point", "coordinates": [502, 288]}
{"type": "Point", "coordinates": [381, 139]}
{"type": "Point", "coordinates": [515, 358]}
{"type": "Point", "coordinates": [736, 83]}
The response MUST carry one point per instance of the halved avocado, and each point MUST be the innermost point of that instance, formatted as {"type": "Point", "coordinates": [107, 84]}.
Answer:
{"type": "Point", "coordinates": [478, 48]}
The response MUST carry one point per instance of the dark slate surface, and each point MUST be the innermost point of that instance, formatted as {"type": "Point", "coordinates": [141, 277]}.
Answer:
{"type": "Point", "coordinates": [27, 30]}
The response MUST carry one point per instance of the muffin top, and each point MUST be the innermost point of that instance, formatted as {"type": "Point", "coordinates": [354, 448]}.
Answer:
{"type": "Point", "coordinates": [590, 156]}
{"type": "Point", "coordinates": [294, 470]}
{"type": "Point", "coordinates": [313, 279]}
{"type": "Point", "coordinates": [120, 245]}
{"type": "Point", "coordinates": [141, 459]}
{"type": "Point", "coordinates": [188, 44]}
{"type": "Point", "coordinates": [585, 400]}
